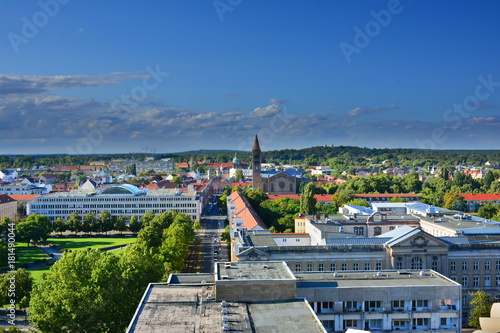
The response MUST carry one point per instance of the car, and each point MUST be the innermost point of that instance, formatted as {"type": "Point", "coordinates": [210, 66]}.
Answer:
{"type": "Point", "coordinates": [216, 259]}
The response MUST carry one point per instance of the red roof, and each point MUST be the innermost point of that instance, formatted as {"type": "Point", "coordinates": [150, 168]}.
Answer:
{"type": "Point", "coordinates": [480, 196]}
{"type": "Point", "coordinates": [24, 197]}
{"type": "Point", "coordinates": [387, 195]}
{"type": "Point", "coordinates": [245, 212]}
{"type": "Point", "coordinates": [65, 168]}
{"type": "Point", "coordinates": [318, 197]}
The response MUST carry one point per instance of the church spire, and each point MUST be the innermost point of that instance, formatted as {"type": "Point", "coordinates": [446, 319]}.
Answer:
{"type": "Point", "coordinates": [256, 165]}
{"type": "Point", "coordinates": [256, 146]}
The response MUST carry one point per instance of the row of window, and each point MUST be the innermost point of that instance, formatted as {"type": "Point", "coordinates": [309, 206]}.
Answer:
{"type": "Point", "coordinates": [475, 266]}
{"type": "Point", "coordinates": [333, 267]}
{"type": "Point", "coordinates": [476, 281]}
{"type": "Point", "coordinates": [134, 198]}
{"type": "Point", "coordinates": [397, 324]}
{"type": "Point", "coordinates": [105, 206]}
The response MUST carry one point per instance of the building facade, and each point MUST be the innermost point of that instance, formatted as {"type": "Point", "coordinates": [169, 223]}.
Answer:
{"type": "Point", "coordinates": [124, 200]}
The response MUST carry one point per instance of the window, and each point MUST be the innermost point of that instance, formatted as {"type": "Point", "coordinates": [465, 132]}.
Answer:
{"type": "Point", "coordinates": [464, 265]}
{"type": "Point", "coordinates": [399, 265]}
{"type": "Point", "coordinates": [309, 267]}
{"type": "Point", "coordinates": [498, 265]}
{"type": "Point", "coordinates": [416, 263]}
{"type": "Point", "coordinates": [351, 306]}
{"type": "Point", "coordinates": [423, 322]}
{"type": "Point", "coordinates": [378, 266]}
{"type": "Point", "coordinates": [475, 281]}
{"type": "Point", "coordinates": [435, 265]}
{"type": "Point", "coordinates": [487, 265]}
{"type": "Point", "coordinates": [465, 281]}
{"type": "Point", "coordinates": [375, 323]}
{"type": "Point", "coordinates": [333, 267]}
{"type": "Point", "coordinates": [399, 324]}
{"type": "Point", "coordinates": [297, 267]}
{"type": "Point", "coordinates": [367, 266]}
{"type": "Point", "coordinates": [453, 266]}
{"type": "Point", "coordinates": [350, 324]}
{"type": "Point", "coordinates": [392, 228]}
{"type": "Point", "coordinates": [497, 279]}
{"type": "Point", "coordinates": [321, 267]}
{"type": "Point", "coordinates": [355, 266]}
{"type": "Point", "coordinates": [373, 305]}
{"type": "Point", "coordinates": [487, 281]}
{"type": "Point", "coordinates": [419, 304]}
{"type": "Point", "coordinates": [328, 324]}
{"type": "Point", "coordinates": [476, 265]}
{"type": "Point", "coordinates": [360, 231]}
{"type": "Point", "coordinates": [377, 231]}
{"type": "Point", "coordinates": [465, 300]}
{"type": "Point", "coordinates": [344, 266]}
{"type": "Point", "coordinates": [398, 305]}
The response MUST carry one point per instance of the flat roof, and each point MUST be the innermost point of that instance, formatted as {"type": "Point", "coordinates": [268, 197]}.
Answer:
{"type": "Point", "coordinates": [182, 308]}
{"type": "Point", "coordinates": [286, 316]}
{"type": "Point", "coordinates": [271, 270]}
{"type": "Point", "coordinates": [372, 279]}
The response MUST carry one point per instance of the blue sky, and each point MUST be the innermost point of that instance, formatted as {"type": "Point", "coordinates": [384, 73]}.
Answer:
{"type": "Point", "coordinates": [119, 76]}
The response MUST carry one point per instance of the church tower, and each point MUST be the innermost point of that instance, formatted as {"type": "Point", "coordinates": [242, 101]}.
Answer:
{"type": "Point", "coordinates": [256, 165]}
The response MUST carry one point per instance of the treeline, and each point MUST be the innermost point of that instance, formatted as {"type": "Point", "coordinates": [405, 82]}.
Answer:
{"type": "Point", "coordinates": [334, 157]}
{"type": "Point", "coordinates": [93, 291]}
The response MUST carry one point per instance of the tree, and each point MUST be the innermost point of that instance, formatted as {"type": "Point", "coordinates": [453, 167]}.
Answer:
{"type": "Point", "coordinates": [454, 201]}
{"type": "Point", "coordinates": [34, 229]}
{"type": "Point", "coordinates": [338, 200]}
{"type": "Point", "coordinates": [488, 210]}
{"type": "Point", "coordinates": [106, 221]}
{"type": "Point", "coordinates": [131, 169]}
{"type": "Point", "coordinates": [358, 202]}
{"type": "Point", "coordinates": [24, 284]}
{"type": "Point", "coordinates": [480, 306]}
{"type": "Point", "coordinates": [147, 218]}
{"type": "Point", "coordinates": [177, 179]}
{"type": "Point", "coordinates": [238, 175]}
{"type": "Point", "coordinates": [307, 200]}
{"type": "Point", "coordinates": [59, 225]}
{"type": "Point", "coordinates": [74, 222]}
{"type": "Point", "coordinates": [134, 224]}
{"type": "Point", "coordinates": [120, 223]}
{"type": "Point", "coordinates": [83, 292]}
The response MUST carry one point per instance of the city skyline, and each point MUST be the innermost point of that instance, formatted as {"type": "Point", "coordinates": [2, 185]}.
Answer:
{"type": "Point", "coordinates": [91, 77]}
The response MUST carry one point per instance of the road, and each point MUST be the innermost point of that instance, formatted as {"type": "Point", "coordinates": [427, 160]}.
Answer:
{"type": "Point", "coordinates": [213, 225]}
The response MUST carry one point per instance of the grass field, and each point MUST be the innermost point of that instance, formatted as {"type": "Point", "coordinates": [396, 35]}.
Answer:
{"type": "Point", "coordinates": [86, 243]}
{"type": "Point", "coordinates": [26, 255]}
{"type": "Point", "coordinates": [37, 273]}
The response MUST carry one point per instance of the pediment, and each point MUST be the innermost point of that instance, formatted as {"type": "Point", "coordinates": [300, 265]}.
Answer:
{"type": "Point", "coordinates": [416, 238]}
{"type": "Point", "coordinates": [252, 252]}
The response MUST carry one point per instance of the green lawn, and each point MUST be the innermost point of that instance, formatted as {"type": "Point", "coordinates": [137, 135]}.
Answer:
{"type": "Point", "coordinates": [93, 243]}
{"type": "Point", "coordinates": [26, 255]}
{"type": "Point", "coordinates": [37, 273]}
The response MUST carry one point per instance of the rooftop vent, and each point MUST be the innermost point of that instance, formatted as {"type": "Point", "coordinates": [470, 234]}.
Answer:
{"type": "Point", "coordinates": [265, 266]}
{"type": "Point", "coordinates": [224, 277]}
{"type": "Point", "coordinates": [227, 266]}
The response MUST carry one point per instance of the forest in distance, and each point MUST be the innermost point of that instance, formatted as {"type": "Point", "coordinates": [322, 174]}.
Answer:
{"type": "Point", "coordinates": [321, 155]}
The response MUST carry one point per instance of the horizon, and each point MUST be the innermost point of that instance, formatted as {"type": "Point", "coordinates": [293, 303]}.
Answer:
{"type": "Point", "coordinates": [83, 78]}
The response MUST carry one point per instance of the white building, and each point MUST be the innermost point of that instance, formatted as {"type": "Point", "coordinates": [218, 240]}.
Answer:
{"type": "Point", "coordinates": [123, 199]}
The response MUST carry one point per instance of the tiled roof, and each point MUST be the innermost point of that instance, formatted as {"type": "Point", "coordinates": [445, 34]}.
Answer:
{"type": "Point", "coordinates": [24, 197]}
{"type": "Point", "coordinates": [386, 195]}
{"type": "Point", "coordinates": [480, 196]}
{"type": "Point", "coordinates": [244, 212]}
{"type": "Point", "coordinates": [4, 198]}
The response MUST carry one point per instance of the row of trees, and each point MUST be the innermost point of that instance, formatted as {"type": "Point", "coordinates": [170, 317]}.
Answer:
{"type": "Point", "coordinates": [93, 291]}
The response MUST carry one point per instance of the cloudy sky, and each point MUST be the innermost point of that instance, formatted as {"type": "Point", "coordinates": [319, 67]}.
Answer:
{"type": "Point", "coordinates": [124, 76]}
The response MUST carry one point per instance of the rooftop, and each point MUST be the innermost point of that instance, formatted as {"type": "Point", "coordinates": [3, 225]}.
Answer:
{"type": "Point", "coordinates": [276, 270]}
{"type": "Point", "coordinates": [389, 278]}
